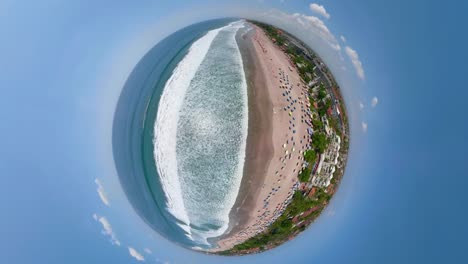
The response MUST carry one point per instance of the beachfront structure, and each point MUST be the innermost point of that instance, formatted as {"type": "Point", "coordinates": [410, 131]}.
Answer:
{"type": "Point", "coordinates": [314, 81]}
{"type": "Point", "coordinates": [327, 164]}
{"type": "Point", "coordinates": [327, 125]}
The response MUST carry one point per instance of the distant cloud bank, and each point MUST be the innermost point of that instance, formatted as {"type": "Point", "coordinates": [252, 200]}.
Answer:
{"type": "Point", "coordinates": [343, 39]}
{"type": "Point", "coordinates": [364, 127]}
{"type": "Point", "coordinates": [354, 57]}
{"type": "Point", "coordinates": [361, 105]}
{"type": "Point", "coordinates": [308, 23]}
{"type": "Point", "coordinates": [319, 9]}
{"type": "Point", "coordinates": [135, 254]}
{"type": "Point", "coordinates": [107, 229]}
{"type": "Point", "coordinates": [101, 192]}
{"type": "Point", "coordinates": [318, 30]}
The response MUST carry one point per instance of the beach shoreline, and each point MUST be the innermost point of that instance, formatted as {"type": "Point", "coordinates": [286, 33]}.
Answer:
{"type": "Point", "coordinates": [259, 149]}
{"type": "Point", "coordinates": [273, 154]}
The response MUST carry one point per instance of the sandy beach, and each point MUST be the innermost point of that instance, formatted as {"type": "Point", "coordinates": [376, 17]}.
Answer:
{"type": "Point", "coordinates": [277, 137]}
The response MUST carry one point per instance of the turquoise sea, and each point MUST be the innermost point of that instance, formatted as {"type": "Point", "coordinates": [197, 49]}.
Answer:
{"type": "Point", "coordinates": [180, 130]}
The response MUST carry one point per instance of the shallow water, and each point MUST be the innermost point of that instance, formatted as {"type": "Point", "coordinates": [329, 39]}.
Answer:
{"type": "Point", "coordinates": [133, 131]}
{"type": "Point", "coordinates": [200, 134]}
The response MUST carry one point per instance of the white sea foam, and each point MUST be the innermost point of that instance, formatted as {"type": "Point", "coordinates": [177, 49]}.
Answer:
{"type": "Point", "coordinates": [185, 186]}
{"type": "Point", "coordinates": [237, 177]}
{"type": "Point", "coordinates": [165, 129]}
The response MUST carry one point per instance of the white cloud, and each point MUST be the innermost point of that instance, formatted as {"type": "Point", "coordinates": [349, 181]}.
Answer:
{"type": "Point", "coordinates": [101, 192]}
{"type": "Point", "coordinates": [319, 9]}
{"type": "Point", "coordinates": [361, 105]}
{"type": "Point", "coordinates": [364, 127]}
{"type": "Point", "coordinates": [343, 39]}
{"type": "Point", "coordinates": [354, 57]}
{"type": "Point", "coordinates": [135, 254]}
{"type": "Point", "coordinates": [147, 250]}
{"type": "Point", "coordinates": [107, 229]}
{"type": "Point", "coordinates": [310, 29]}
{"type": "Point", "coordinates": [374, 101]}
{"type": "Point", "coordinates": [318, 26]}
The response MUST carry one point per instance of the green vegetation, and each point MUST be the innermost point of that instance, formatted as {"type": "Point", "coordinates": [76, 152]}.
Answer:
{"type": "Point", "coordinates": [304, 175]}
{"type": "Point", "coordinates": [284, 226]}
{"type": "Point", "coordinates": [323, 105]}
{"type": "Point", "coordinates": [322, 110]}
{"type": "Point", "coordinates": [334, 124]}
{"type": "Point", "coordinates": [328, 103]}
{"type": "Point", "coordinates": [310, 155]}
{"type": "Point", "coordinates": [291, 50]}
{"type": "Point", "coordinates": [305, 67]}
{"type": "Point", "coordinates": [336, 176]}
{"type": "Point", "coordinates": [322, 92]}
{"type": "Point", "coordinates": [311, 99]}
{"type": "Point", "coordinates": [318, 125]}
{"type": "Point", "coordinates": [319, 142]}
{"type": "Point", "coordinates": [305, 205]}
{"type": "Point", "coordinates": [312, 106]}
{"type": "Point", "coordinates": [272, 32]}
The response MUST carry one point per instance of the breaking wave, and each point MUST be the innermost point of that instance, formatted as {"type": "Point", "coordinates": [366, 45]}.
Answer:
{"type": "Point", "coordinates": [200, 134]}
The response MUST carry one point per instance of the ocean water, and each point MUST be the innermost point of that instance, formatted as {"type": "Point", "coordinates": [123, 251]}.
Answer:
{"type": "Point", "coordinates": [200, 134]}
{"type": "Point", "coordinates": [179, 133]}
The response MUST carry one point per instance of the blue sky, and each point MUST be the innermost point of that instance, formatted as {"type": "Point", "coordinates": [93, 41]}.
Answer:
{"type": "Point", "coordinates": [62, 66]}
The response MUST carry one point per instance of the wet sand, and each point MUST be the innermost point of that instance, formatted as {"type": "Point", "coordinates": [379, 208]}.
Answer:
{"type": "Point", "coordinates": [270, 175]}
{"type": "Point", "coordinates": [259, 148]}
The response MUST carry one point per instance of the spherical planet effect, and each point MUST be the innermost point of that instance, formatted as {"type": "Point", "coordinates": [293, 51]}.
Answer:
{"type": "Point", "coordinates": [230, 137]}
